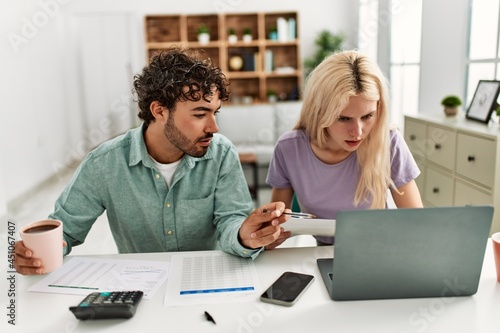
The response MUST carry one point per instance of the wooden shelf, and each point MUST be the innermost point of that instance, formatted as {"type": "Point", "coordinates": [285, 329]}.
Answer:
{"type": "Point", "coordinates": [163, 29]}
{"type": "Point", "coordinates": [256, 76]}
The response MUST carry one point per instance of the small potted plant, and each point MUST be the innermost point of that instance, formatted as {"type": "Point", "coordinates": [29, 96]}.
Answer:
{"type": "Point", "coordinates": [231, 36]}
{"type": "Point", "coordinates": [203, 34]}
{"type": "Point", "coordinates": [273, 33]}
{"type": "Point", "coordinates": [247, 35]}
{"type": "Point", "coordinates": [272, 97]}
{"type": "Point", "coordinates": [451, 104]}
{"type": "Point", "coordinates": [327, 43]}
{"type": "Point", "coordinates": [495, 117]}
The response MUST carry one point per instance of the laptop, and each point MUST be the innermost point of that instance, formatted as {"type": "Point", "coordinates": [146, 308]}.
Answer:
{"type": "Point", "coordinates": [407, 253]}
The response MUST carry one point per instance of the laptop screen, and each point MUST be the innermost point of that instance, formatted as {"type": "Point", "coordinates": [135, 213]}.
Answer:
{"type": "Point", "coordinates": [408, 253]}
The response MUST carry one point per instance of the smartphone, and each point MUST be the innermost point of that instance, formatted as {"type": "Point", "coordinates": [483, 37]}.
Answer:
{"type": "Point", "coordinates": [287, 289]}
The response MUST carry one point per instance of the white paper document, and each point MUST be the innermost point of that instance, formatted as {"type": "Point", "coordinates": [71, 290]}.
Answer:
{"type": "Point", "coordinates": [81, 276]}
{"type": "Point", "coordinates": [210, 277]}
{"type": "Point", "coordinates": [306, 226]}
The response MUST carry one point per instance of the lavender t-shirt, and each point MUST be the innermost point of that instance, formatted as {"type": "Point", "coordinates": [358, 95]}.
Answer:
{"type": "Point", "coordinates": [323, 189]}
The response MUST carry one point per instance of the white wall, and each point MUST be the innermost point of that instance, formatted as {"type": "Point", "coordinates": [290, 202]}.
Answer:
{"type": "Point", "coordinates": [64, 84]}
{"type": "Point", "coordinates": [443, 53]}
{"type": "Point", "coordinates": [3, 197]}
{"type": "Point", "coordinates": [314, 15]}
{"type": "Point", "coordinates": [34, 113]}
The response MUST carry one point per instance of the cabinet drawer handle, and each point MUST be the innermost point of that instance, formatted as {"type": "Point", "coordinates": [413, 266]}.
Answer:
{"type": "Point", "coordinates": [437, 146]}
{"type": "Point", "coordinates": [471, 158]}
{"type": "Point", "coordinates": [413, 137]}
{"type": "Point", "coordinates": [435, 190]}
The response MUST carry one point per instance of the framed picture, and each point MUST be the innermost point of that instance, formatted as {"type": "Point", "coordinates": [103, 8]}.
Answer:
{"type": "Point", "coordinates": [484, 101]}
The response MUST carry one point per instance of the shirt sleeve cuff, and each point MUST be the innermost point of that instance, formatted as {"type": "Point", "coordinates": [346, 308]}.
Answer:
{"type": "Point", "coordinates": [248, 253]}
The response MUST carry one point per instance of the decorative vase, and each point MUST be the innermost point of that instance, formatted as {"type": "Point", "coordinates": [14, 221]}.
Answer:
{"type": "Point", "coordinates": [235, 63]}
{"type": "Point", "coordinates": [450, 111]}
{"type": "Point", "coordinates": [203, 38]}
{"type": "Point", "coordinates": [232, 39]}
{"type": "Point", "coordinates": [272, 98]}
{"type": "Point", "coordinates": [247, 38]}
{"type": "Point", "coordinates": [495, 118]}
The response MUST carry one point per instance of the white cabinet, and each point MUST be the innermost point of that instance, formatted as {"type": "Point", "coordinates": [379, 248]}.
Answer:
{"type": "Point", "coordinates": [459, 160]}
{"type": "Point", "coordinates": [442, 149]}
{"type": "Point", "coordinates": [438, 188]}
{"type": "Point", "coordinates": [475, 159]}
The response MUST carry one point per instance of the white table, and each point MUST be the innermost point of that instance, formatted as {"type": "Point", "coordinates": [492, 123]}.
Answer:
{"type": "Point", "coordinates": [314, 312]}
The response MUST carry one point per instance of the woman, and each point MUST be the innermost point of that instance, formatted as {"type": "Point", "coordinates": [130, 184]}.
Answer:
{"type": "Point", "coordinates": [342, 155]}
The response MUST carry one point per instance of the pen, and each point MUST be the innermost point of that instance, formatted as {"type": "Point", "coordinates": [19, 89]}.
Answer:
{"type": "Point", "coordinates": [209, 317]}
{"type": "Point", "coordinates": [294, 214]}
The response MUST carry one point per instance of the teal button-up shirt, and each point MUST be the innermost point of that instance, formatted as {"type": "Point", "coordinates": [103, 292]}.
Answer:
{"type": "Point", "coordinates": [203, 209]}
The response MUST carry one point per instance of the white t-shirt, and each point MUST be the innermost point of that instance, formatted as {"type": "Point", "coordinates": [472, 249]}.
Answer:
{"type": "Point", "coordinates": [166, 170]}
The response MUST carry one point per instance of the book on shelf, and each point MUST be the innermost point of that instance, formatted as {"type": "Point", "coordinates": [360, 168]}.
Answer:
{"type": "Point", "coordinates": [282, 26]}
{"type": "Point", "coordinates": [287, 29]}
{"type": "Point", "coordinates": [269, 61]}
{"type": "Point", "coordinates": [257, 61]}
{"type": "Point", "coordinates": [248, 61]}
{"type": "Point", "coordinates": [292, 29]}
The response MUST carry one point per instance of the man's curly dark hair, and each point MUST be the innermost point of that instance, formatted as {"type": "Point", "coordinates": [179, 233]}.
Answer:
{"type": "Point", "coordinates": [168, 75]}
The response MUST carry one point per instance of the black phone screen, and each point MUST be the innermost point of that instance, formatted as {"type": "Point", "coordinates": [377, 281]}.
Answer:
{"type": "Point", "coordinates": [287, 288]}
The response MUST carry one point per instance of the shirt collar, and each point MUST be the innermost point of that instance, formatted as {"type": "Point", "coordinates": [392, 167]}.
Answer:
{"type": "Point", "coordinates": [139, 152]}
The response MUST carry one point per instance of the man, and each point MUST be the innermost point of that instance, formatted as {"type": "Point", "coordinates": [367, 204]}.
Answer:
{"type": "Point", "coordinates": [171, 184]}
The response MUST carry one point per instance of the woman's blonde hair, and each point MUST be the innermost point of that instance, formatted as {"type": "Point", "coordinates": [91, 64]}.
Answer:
{"type": "Point", "coordinates": [328, 89]}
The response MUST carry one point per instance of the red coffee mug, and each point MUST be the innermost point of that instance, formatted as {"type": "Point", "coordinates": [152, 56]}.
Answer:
{"type": "Point", "coordinates": [495, 238]}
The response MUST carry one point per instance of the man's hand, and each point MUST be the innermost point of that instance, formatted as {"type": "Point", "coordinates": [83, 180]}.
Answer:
{"type": "Point", "coordinates": [25, 264]}
{"type": "Point", "coordinates": [262, 227]}
{"type": "Point", "coordinates": [284, 235]}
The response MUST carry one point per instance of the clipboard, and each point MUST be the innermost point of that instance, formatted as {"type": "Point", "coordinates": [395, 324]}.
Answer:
{"type": "Point", "coordinates": [308, 226]}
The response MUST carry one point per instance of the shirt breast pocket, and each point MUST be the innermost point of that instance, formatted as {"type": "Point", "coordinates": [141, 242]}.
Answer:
{"type": "Point", "coordinates": [194, 218]}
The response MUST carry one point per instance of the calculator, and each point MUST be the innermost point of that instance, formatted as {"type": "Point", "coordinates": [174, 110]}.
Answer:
{"type": "Point", "coordinates": [107, 305]}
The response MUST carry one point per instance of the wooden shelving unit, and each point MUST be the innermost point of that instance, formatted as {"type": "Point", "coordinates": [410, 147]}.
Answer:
{"type": "Point", "coordinates": [258, 75]}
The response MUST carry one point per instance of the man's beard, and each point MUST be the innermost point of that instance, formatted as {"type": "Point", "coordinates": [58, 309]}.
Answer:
{"type": "Point", "coordinates": [178, 139]}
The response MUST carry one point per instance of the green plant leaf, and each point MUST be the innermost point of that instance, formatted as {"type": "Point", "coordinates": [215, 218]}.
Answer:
{"type": "Point", "coordinates": [451, 100]}
{"type": "Point", "coordinates": [326, 43]}
{"type": "Point", "coordinates": [203, 28]}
